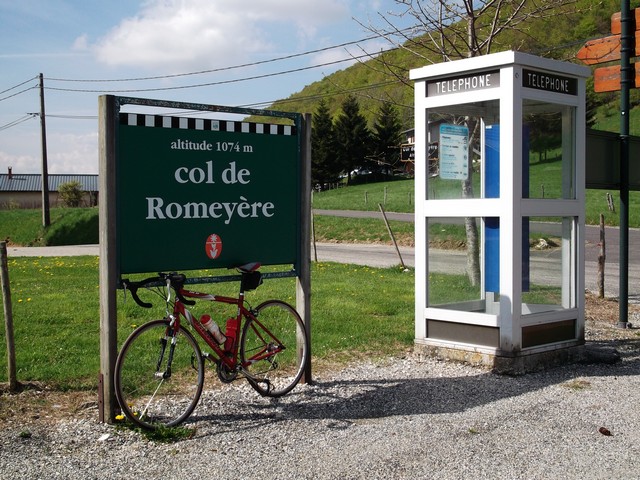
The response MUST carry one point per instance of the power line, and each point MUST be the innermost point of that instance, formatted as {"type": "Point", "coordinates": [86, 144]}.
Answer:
{"type": "Point", "coordinates": [285, 57]}
{"type": "Point", "coordinates": [233, 67]}
{"type": "Point", "coordinates": [18, 93]}
{"type": "Point", "coordinates": [321, 95]}
{"type": "Point", "coordinates": [28, 116]}
{"type": "Point", "coordinates": [18, 85]}
{"type": "Point", "coordinates": [220, 82]}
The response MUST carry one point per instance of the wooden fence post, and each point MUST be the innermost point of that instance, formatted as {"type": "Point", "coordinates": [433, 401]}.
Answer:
{"type": "Point", "coordinates": [8, 318]}
{"type": "Point", "coordinates": [393, 237]}
{"type": "Point", "coordinates": [601, 259]}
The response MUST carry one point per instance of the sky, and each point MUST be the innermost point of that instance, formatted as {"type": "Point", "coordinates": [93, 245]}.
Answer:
{"type": "Point", "coordinates": [88, 48]}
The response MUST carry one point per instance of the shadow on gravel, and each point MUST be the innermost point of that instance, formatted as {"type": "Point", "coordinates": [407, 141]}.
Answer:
{"type": "Point", "coordinates": [350, 400]}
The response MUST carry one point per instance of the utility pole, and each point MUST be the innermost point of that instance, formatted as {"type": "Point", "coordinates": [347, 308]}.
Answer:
{"type": "Point", "coordinates": [46, 219]}
{"type": "Point", "coordinates": [627, 81]}
{"type": "Point", "coordinates": [619, 46]}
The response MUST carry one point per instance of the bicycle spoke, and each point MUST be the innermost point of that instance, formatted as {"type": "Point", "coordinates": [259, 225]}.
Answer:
{"type": "Point", "coordinates": [168, 390]}
{"type": "Point", "coordinates": [144, 412]}
{"type": "Point", "coordinates": [274, 349]}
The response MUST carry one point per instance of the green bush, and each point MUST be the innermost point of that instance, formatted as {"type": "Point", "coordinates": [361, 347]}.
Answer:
{"type": "Point", "coordinates": [71, 193]}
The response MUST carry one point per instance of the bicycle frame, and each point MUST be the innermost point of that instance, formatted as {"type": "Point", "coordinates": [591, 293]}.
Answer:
{"type": "Point", "coordinates": [252, 350]}
{"type": "Point", "coordinates": [229, 354]}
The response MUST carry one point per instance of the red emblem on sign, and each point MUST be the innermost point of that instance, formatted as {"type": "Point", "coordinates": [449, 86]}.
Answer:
{"type": "Point", "coordinates": [213, 246]}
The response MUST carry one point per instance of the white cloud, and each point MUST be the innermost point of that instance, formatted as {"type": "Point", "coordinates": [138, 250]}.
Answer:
{"type": "Point", "coordinates": [66, 153]}
{"type": "Point", "coordinates": [81, 43]}
{"type": "Point", "coordinates": [179, 35]}
{"type": "Point", "coordinates": [82, 158]}
{"type": "Point", "coordinates": [19, 163]}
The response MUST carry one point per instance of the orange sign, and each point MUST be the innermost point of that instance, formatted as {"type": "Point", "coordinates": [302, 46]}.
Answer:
{"type": "Point", "coordinates": [607, 49]}
{"type": "Point", "coordinates": [607, 79]}
{"type": "Point", "coordinates": [602, 50]}
{"type": "Point", "coordinates": [615, 21]}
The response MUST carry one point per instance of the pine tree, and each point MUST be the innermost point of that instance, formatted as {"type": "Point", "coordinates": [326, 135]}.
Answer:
{"type": "Point", "coordinates": [324, 165]}
{"type": "Point", "coordinates": [353, 137]}
{"type": "Point", "coordinates": [387, 136]}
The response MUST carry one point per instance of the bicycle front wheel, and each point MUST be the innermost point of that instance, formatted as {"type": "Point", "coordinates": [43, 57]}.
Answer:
{"type": "Point", "coordinates": [274, 349]}
{"type": "Point", "coordinates": [159, 375]}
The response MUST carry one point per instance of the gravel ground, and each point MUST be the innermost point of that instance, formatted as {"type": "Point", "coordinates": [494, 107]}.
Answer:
{"type": "Point", "coordinates": [401, 418]}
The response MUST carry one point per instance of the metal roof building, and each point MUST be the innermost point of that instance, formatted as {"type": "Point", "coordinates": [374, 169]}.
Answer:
{"type": "Point", "coordinates": [25, 190]}
{"type": "Point", "coordinates": [12, 182]}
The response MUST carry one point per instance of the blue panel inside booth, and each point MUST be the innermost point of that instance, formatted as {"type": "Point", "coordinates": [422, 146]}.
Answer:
{"type": "Point", "coordinates": [492, 224]}
{"type": "Point", "coordinates": [525, 220]}
{"type": "Point", "coordinates": [492, 254]}
{"type": "Point", "coordinates": [492, 161]}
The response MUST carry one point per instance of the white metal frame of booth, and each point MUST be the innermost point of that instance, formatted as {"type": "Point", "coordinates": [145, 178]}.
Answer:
{"type": "Point", "coordinates": [494, 111]}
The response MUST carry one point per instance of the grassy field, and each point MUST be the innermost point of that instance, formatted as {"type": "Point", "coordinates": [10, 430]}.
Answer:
{"type": "Point", "coordinates": [356, 311]}
{"type": "Point", "coordinates": [399, 198]}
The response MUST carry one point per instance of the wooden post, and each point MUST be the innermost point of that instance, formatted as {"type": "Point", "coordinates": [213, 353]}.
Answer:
{"type": "Point", "coordinates": [8, 318]}
{"type": "Point", "coordinates": [313, 238]}
{"type": "Point", "coordinates": [303, 280]}
{"type": "Point", "coordinates": [601, 259]}
{"type": "Point", "coordinates": [393, 238]}
{"type": "Point", "coordinates": [107, 116]}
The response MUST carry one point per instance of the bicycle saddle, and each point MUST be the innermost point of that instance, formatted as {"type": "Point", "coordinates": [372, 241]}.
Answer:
{"type": "Point", "coordinates": [249, 267]}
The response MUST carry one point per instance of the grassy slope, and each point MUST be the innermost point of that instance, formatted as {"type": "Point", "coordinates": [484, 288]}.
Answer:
{"type": "Point", "coordinates": [69, 226]}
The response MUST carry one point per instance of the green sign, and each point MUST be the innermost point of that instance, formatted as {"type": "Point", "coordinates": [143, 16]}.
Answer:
{"type": "Point", "coordinates": [200, 193]}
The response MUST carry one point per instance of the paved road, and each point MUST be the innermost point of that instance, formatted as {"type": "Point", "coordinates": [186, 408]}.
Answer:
{"type": "Point", "coordinates": [545, 264]}
{"type": "Point", "coordinates": [548, 262]}
{"type": "Point", "coordinates": [62, 251]}
{"type": "Point", "coordinates": [592, 234]}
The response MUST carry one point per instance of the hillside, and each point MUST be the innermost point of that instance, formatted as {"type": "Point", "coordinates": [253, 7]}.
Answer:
{"type": "Point", "coordinates": [559, 37]}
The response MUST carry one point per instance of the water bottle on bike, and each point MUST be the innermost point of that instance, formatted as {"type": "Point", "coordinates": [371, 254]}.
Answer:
{"type": "Point", "coordinates": [212, 326]}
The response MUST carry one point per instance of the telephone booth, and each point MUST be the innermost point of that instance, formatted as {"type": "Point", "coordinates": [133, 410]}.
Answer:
{"type": "Point", "coordinates": [499, 221]}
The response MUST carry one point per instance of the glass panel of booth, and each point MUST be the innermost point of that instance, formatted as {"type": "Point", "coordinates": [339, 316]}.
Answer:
{"type": "Point", "coordinates": [547, 265]}
{"type": "Point", "coordinates": [457, 150]}
{"type": "Point", "coordinates": [551, 270]}
{"type": "Point", "coordinates": [548, 150]}
{"type": "Point", "coordinates": [450, 286]}
{"type": "Point", "coordinates": [464, 151]}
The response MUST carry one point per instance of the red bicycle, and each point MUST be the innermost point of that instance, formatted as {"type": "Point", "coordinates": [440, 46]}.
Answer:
{"type": "Point", "coordinates": [159, 372]}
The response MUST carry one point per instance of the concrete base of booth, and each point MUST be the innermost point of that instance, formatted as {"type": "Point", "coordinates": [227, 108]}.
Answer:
{"type": "Point", "coordinates": [508, 364]}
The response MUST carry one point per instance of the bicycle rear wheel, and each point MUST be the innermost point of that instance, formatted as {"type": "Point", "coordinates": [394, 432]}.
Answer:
{"type": "Point", "coordinates": [159, 375]}
{"type": "Point", "coordinates": [274, 348]}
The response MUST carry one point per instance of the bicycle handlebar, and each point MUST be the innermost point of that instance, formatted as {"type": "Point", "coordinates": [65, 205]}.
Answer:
{"type": "Point", "coordinates": [174, 280]}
